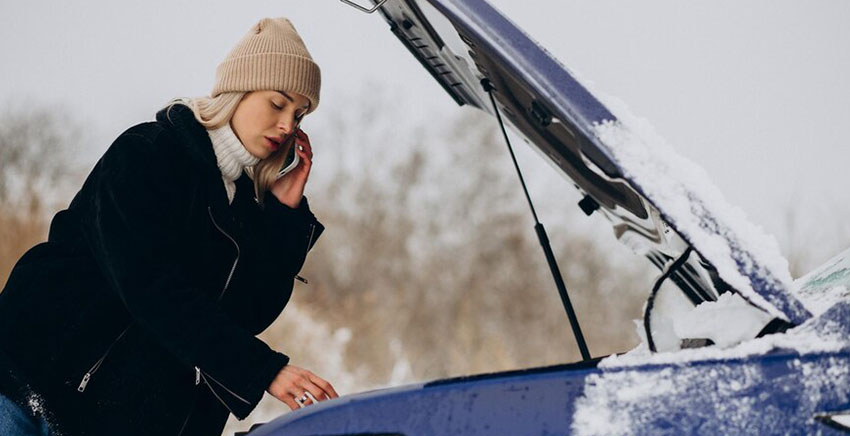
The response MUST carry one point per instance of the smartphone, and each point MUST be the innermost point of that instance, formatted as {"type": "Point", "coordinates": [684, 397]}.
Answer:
{"type": "Point", "coordinates": [291, 160]}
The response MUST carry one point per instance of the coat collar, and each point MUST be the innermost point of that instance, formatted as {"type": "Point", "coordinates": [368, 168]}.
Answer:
{"type": "Point", "coordinates": [179, 120]}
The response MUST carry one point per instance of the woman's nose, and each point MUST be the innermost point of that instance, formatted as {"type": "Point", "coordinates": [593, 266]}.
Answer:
{"type": "Point", "coordinates": [285, 125]}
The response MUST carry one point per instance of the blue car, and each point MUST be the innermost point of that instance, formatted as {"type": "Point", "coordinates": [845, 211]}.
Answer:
{"type": "Point", "coordinates": [756, 353]}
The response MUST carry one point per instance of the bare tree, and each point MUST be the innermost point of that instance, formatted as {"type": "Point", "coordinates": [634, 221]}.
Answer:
{"type": "Point", "coordinates": [35, 146]}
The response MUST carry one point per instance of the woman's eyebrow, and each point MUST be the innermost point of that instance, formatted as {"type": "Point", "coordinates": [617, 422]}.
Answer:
{"type": "Point", "coordinates": [292, 99]}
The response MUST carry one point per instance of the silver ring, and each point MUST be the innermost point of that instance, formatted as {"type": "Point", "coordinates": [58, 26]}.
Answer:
{"type": "Point", "coordinates": [303, 399]}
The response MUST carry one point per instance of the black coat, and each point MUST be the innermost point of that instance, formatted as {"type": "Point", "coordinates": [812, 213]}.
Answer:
{"type": "Point", "coordinates": [155, 286]}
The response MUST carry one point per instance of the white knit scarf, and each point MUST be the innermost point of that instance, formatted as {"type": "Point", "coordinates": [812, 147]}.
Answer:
{"type": "Point", "coordinates": [232, 157]}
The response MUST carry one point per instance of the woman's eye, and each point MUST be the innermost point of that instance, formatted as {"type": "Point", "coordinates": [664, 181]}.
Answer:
{"type": "Point", "coordinates": [277, 107]}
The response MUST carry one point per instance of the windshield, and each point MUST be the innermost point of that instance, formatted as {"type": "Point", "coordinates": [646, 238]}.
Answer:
{"type": "Point", "coordinates": [826, 285]}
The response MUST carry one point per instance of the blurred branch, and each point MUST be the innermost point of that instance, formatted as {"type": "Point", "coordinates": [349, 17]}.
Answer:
{"type": "Point", "coordinates": [35, 146]}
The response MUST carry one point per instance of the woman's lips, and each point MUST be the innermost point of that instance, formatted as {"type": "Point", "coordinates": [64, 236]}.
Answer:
{"type": "Point", "coordinates": [271, 144]}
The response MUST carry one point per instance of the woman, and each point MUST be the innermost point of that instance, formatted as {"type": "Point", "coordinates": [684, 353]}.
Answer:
{"type": "Point", "coordinates": [139, 313]}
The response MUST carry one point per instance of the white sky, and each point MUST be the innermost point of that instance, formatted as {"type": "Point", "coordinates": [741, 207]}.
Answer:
{"type": "Point", "coordinates": [756, 92]}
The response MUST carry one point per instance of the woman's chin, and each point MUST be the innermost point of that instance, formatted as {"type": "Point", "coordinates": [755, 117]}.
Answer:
{"type": "Point", "coordinates": [259, 152]}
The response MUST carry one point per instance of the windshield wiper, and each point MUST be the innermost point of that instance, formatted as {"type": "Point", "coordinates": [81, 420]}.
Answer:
{"type": "Point", "coordinates": [650, 302]}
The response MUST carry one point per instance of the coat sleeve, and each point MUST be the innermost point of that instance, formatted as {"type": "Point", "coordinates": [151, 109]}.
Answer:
{"type": "Point", "coordinates": [283, 237]}
{"type": "Point", "coordinates": [142, 208]}
{"type": "Point", "coordinates": [301, 231]}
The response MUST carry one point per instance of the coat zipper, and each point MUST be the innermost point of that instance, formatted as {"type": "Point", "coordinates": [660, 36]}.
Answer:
{"type": "Point", "coordinates": [205, 377]}
{"type": "Point", "coordinates": [96, 366]}
{"type": "Point", "coordinates": [199, 374]}
{"type": "Point", "coordinates": [235, 261]}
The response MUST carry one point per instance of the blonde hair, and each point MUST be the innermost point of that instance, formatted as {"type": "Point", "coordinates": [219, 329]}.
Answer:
{"type": "Point", "coordinates": [215, 112]}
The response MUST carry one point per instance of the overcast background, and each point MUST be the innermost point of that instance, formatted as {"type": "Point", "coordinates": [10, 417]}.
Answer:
{"type": "Point", "coordinates": [757, 92]}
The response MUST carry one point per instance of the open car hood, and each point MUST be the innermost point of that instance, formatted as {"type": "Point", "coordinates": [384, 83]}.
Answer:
{"type": "Point", "coordinates": [658, 203]}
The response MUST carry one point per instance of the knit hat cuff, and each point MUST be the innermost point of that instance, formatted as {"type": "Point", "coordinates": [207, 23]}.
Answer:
{"type": "Point", "coordinates": [270, 71]}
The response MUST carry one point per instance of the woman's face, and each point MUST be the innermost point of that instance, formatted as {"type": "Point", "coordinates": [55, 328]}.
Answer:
{"type": "Point", "coordinates": [264, 119]}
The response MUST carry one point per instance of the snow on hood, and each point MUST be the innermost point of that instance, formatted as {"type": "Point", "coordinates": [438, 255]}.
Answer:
{"type": "Point", "coordinates": [633, 395]}
{"type": "Point", "coordinates": [727, 321]}
{"type": "Point", "coordinates": [743, 254]}
{"type": "Point", "coordinates": [720, 399]}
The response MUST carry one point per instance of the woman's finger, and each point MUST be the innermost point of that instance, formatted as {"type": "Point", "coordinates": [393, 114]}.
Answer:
{"type": "Point", "coordinates": [301, 136]}
{"type": "Point", "coordinates": [314, 390]}
{"type": "Point", "coordinates": [294, 383]}
{"type": "Point", "coordinates": [302, 139]}
{"type": "Point", "coordinates": [283, 394]}
{"type": "Point", "coordinates": [298, 394]}
{"type": "Point", "coordinates": [301, 385]}
{"type": "Point", "coordinates": [289, 401]}
{"type": "Point", "coordinates": [322, 383]}
{"type": "Point", "coordinates": [304, 147]}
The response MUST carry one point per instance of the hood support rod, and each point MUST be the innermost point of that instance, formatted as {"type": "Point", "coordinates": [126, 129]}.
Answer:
{"type": "Point", "coordinates": [541, 235]}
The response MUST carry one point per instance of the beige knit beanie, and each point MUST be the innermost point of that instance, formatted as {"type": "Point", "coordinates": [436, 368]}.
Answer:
{"type": "Point", "coordinates": [270, 57]}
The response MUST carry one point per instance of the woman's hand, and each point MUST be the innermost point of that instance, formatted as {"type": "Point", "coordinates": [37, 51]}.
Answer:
{"type": "Point", "coordinates": [293, 383]}
{"type": "Point", "coordinates": [289, 188]}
